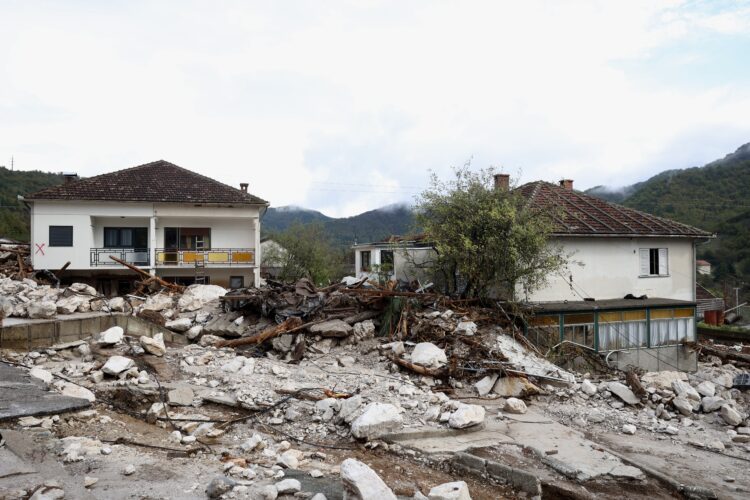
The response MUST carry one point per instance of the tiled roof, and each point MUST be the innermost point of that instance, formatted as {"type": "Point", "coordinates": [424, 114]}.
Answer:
{"type": "Point", "coordinates": [576, 213]}
{"type": "Point", "coordinates": [158, 181]}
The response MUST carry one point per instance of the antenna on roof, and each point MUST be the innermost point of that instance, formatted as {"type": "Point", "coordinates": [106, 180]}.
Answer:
{"type": "Point", "coordinates": [12, 161]}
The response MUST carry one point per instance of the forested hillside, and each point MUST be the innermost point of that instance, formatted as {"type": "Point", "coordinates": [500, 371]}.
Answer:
{"type": "Point", "coordinates": [715, 197]}
{"type": "Point", "coordinates": [14, 217]}
{"type": "Point", "coordinates": [373, 225]}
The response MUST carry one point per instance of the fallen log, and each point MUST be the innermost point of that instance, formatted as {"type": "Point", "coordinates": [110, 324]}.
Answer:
{"type": "Point", "coordinates": [727, 355]}
{"type": "Point", "coordinates": [634, 383]}
{"type": "Point", "coordinates": [289, 325]}
{"type": "Point", "coordinates": [363, 316]}
{"type": "Point", "coordinates": [421, 370]}
{"type": "Point", "coordinates": [165, 284]}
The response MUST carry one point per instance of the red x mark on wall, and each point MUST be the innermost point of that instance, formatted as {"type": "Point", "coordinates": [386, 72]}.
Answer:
{"type": "Point", "coordinates": [39, 248]}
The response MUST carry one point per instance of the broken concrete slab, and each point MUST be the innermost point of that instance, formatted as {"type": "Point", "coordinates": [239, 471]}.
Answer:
{"type": "Point", "coordinates": [23, 395]}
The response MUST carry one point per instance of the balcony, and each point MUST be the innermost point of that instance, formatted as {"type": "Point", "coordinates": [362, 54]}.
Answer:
{"type": "Point", "coordinates": [136, 256]}
{"type": "Point", "coordinates": [216, 257]}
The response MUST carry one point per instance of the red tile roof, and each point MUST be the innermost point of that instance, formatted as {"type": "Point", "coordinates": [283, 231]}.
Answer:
{"type": "Point", "coordinates": [158, 181]}
{"type": "Point", "coordinates": [576, 213]}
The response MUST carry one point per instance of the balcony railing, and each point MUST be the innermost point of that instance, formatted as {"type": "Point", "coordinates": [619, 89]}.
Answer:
{"type": "Point", "coordinates": [135, 256]}
{"type": "Point", "coordinates": [213, 257]}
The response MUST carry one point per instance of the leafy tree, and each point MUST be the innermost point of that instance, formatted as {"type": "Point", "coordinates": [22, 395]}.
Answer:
{"type": "Point", "coordinates": [487, 238]}
{"type": "Point", "coordinates": [304, 251]}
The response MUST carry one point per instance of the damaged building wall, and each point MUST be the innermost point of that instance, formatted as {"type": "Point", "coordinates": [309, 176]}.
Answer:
{"type": "Point", "coordinates": [608, 268]}
{"type": "Point", "coordinates": [407, 262]}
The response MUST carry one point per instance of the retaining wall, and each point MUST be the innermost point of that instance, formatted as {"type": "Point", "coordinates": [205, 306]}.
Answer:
{"type": "Point", "coordinates": [32, 335]}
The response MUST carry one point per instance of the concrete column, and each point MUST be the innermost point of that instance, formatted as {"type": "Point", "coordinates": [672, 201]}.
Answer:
{"type": "Point", "coordinates": [152, 245]}
{"type": "Point", "coordinates": [258, 256]}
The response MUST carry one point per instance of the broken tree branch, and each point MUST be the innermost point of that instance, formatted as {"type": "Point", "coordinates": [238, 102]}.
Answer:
{"type": "Point", "coordinates": [289, 325]}
{"type": "Point", "coordinates": [165, 284]}
{"type": "Point", "coordinates": [421, 370]}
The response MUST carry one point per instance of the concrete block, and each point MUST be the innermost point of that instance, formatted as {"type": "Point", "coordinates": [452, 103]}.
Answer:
{"type": "Point", "coordinates": [473, 462]}
{"type": "Point", "coordinates": [520, 479]}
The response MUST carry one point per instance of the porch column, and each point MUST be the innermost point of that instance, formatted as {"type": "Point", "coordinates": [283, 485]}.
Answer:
{"type": "Point", "coordinates": [152, 245]}
{"type": "Point", "coordinates": [257, 255]}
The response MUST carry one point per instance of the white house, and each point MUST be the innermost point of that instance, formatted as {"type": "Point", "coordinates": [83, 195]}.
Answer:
{"type": "Point", "coordinates": [174, 223]}
{"type": "Point", "coordinates": [395, 258]}
{"type": "Point", "coordinates": [629, 283]}
{"type": "Point", "coordinates": [703, 267]}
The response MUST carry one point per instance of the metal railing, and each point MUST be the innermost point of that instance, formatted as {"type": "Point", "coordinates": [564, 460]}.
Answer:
{"type": "Point", "coordinates": [212, 257]}
{"type": "Point", "coordinates": [135, 256]}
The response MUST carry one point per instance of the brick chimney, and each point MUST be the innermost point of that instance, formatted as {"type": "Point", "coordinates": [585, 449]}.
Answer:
{"type": "Point", "coordinates": [567, 184]}
{"type": "Point", "coordinates": [243, 187]}
{"type": "Point", "coordinates": [502, 181]}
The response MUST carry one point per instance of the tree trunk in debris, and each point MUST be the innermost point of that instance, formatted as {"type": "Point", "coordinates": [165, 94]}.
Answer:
{"type": "Point", "coordinates": [288, 326]}
{"type": "Point", "coordinates": [726, 356]}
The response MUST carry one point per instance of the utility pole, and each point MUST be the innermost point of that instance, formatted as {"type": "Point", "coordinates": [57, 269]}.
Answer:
{"type": "Point", "coordinates": [736, 296]}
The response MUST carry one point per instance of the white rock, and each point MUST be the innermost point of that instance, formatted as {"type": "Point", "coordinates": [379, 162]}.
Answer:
{"type": "Point", "coordinates": [129, 470]}
{"type": "Point", "coordinates": [514, 387]}
{"type": "Point", "coordinates": [69, 305]}
{"type": "Point", "coordinates": [730, 415]}
{"type": "Point", "coordinates": [457, 490]}
{"type": "Point", "coordinates": [672, 430]}
{"type": "Point", "coordinates": [117, 304]}
{"type": "Point", "coordinates": [664, 379]}
{"type": "Point", "coordinates": [683, 405]}
{"type": "Point", "coordinates": [629, 429]}
{"type": "Point", "coordinates": [360, 481]}
{"type": "Point", "coordinates": [180, 396]}
{"type": "Point", "coordinates": [485, 385]}
{"type": "Point", "coordinates": [30, 421]}
{"type": "Point", "coordinates": [154, 345]}
{"type": "Point", "coordinates": [588, 388]}
{"type": "Point", "coordinates": [83, 288]}
{"type": "Point", "coordinates": [623, 392]}
{"type": "Point", "coordinates": [194, 332]}
{"type": "Point", "coordinates": [376, 420]}
{"type": "Point", "coordinates": [234, 365]}
{"type": "Point", "coordinates": [158, 302]}
{"type": "Point", "coordinates": [179, 324]}
{"type": "Point", "coordinates": [44, 309]}
{"type": "Point", "coordinates": [332, 328]}
{"type": "Point", "coordinates": [468, 328]}
{"type": "Point", "coordinates": [197, 296]}
{"type": "Point", "coordinates": [288, 460]}
{"type": "Point", "coordinates": [41, 374]}
{"type": "Point", "coordinates": [111, 336]}
{"type": "Point", "coordinates": [76, 391]}
{"type": "Point", "coordinates": [711, 403]}
{"type": "Point", "coordinates": [156, 411]}
{"type": "Point", "coordinates": [429, 355]}
{"type": "Point", "coordinates": [364, 330]}
{"type": "Point", "coordinates": [117, 364]}
{"type": "Point", "coordinates": [706, 388]}
{"type": "Point", "coordinates": [684, 389]}
{"type": "Point", "coordinates": [252, 443]}
{"type": "Point", "coordinates": [48, 493]}
{"type": "Point", "coordinates": [466, 416]}
{"type": "Point", "coordinates": [514, 405]}
{"type": "Point", "coordinates": [288, 486]}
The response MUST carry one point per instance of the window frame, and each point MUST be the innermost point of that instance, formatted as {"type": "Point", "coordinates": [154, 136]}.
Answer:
{"type": "Point", "coordinates": [178, 235]}
{"type": "Point", "coordinates": [368, 267]}
{"type": "Point", "coordinates": [119, 230]}
{"type": "Point", "coordinates": [50, 242]}
{"type": "Point", "coordinates": [239, 277]}
{"type": "Point", "coordinates": [652, 258]}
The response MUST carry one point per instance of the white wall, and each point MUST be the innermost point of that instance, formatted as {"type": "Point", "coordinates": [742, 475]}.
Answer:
{"type": "Point", "coordinates": [402, 261]}
{"type": "Point", "coordinates": [609, 268]}
{"type": "Point", "coordinates": [236, 227]}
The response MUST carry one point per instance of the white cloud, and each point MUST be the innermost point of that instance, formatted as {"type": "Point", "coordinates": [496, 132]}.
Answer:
{"type": "Point", "coordinates": [362, 96]}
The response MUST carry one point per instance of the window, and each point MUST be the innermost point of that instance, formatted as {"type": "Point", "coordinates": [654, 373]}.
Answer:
{"type": "Point", "coordinates": [187, 238]}
{"type": "Point", "coordinates": [61, 236]}
{"type": "Point", "coordinates": [386, 258]}
{"type": "Point", "coordinates": [654, 262]}
{"type": "Point", "coordinates": [365, 260]}
{"type": "Point", "coordinates": [126, 237]}
{"type": "Point", "coordinates": [236, 282]}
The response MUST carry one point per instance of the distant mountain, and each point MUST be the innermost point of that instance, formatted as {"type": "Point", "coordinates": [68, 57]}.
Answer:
{"type": "Point", "coordinates": [715, 197]}
{"type": "Point", "coordinates": [14, 217]}
{"type": "Point", "coordinates": [373, 225]}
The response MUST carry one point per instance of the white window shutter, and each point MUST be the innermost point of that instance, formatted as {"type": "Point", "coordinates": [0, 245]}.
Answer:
{"type": "Point", "coordinates": [663, 262]}
{"type": "Point", "coordinates": [644, 262]}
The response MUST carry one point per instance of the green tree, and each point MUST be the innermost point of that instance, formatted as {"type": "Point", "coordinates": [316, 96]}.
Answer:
{"type": "Point", "coordinates": [488, 241]}
{"type": "Point", "coordinates": [304, 251]}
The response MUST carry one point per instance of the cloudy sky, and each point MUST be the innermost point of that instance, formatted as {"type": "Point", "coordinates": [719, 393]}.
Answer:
{"type": "Point", "coordinates": [344, 106]}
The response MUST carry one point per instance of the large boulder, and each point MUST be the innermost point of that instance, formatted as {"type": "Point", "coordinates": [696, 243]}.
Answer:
{"type": "Point", "coordinates": [485, 385]}
{"type": "Point", "coordinates": [117, 304]}
{"type": "Point", "coordinates": [158, 302]}
{"type": "Point", "coordinates": [623, 392]}
{"type": "Point", "coordinates": [69, 305]}
{"type": "Point", "coordinates": [457, 490]}
{"type": "Point", "coordinates": [332, 328]}
{"type": "Point", "coordinates": [730, 415]}
{"type": "Point", "coordinates": [111, 336]}
{"type": "Point", "coordinates": [377, 420]}
{"type": "Point", "coordinates": [83, 288]}
{"type": "Point", "coordinates": [117, 364]}
{"type": "Point", "coordinates": [43, 309]}
{"type": "Point", "coordinates": [154, 345]}
{"type": "Point", "coordinates": [197, 296]}
{"type": "Point", "coordinates": [662, 380]}
{"type": "Point", "coordinates": [361, 482]}
{"type": "Point", "coordinates": [514, 405]}
{"type": "Point", "coordinates": [429, 355]}
{"type": "Point", "coordinates": [466, 416]}
{"type": "Point", "coordinates": [712, 403]}
{"type": "Point", "coordinates": [683, 405]}
{"type": "Point", "coordinates": [514, 387]}
{"type": "Point", "coordinates": [179, 324]}
{"type": "Point", "coordinates": [684, 389]}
